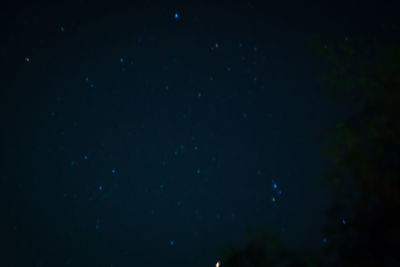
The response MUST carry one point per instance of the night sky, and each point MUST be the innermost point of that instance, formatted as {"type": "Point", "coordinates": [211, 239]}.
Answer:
{"type": "Point", "coordinates": [155, 134]}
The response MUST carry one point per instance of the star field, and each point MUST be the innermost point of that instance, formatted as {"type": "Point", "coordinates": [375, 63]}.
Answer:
{"type": "Point", "coordinates": [155, 135]}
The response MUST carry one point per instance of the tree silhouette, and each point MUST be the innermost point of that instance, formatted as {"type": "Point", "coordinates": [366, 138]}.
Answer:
{"type": "Point", "coordinates": [362, 228]}
{"type": "Point", "coordinates": [365, 155]}
{"type": "Point", "coordinates": [265, 249]}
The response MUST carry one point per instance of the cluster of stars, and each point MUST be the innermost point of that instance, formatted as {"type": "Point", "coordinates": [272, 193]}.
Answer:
{"type": "Point", "coordinates": [277, 191]}
{"type": "Point", "coordinates": [91, 84]}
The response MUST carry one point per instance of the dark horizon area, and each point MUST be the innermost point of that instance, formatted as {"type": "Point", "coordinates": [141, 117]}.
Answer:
{"type": "Point", "coordinates": [156, 134]}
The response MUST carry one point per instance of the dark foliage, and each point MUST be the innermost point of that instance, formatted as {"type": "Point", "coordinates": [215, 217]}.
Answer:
{"type": "Point", "coordinates": [363, 225]}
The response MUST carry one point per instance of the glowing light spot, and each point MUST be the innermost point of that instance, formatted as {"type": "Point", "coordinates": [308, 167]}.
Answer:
{"type": "Point", "coordinates": [344, 221]}
{"type": "Point", "coordinates": [279, 192]}
{"type": "Point", "coordinates": [121, 60]}
{"type": "Point", "coordinates": [196, 148]}
{"type": "Point", "coordinates": [171, 243]}
{"type": "Point", "coordinates": [216, 45]}
{"type": "Point", "coordinates": [273, 199]}
{"type": "Point", "coordinates": [85, 157]}
{"type": "Point", "coordinates": [324, 240]}
{"type": "Point", "coordinates": [114, 171]}
{"type": "Point", "coordinates": [27, 59]}
{"type": "Point", "coordinates": [176, 16]}
{"type": "Point", "coordinates": [218, 264]}
{"type": "Point", "coordinates": [275, 186]}
{"type": "Point", "coordinates": [198, 171]}
{"type": "Point", "coordinates": [100, 188]}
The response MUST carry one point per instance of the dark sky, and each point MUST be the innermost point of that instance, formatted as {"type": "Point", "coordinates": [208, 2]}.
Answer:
{"type": "Point", "coordinates": [154, 134]}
